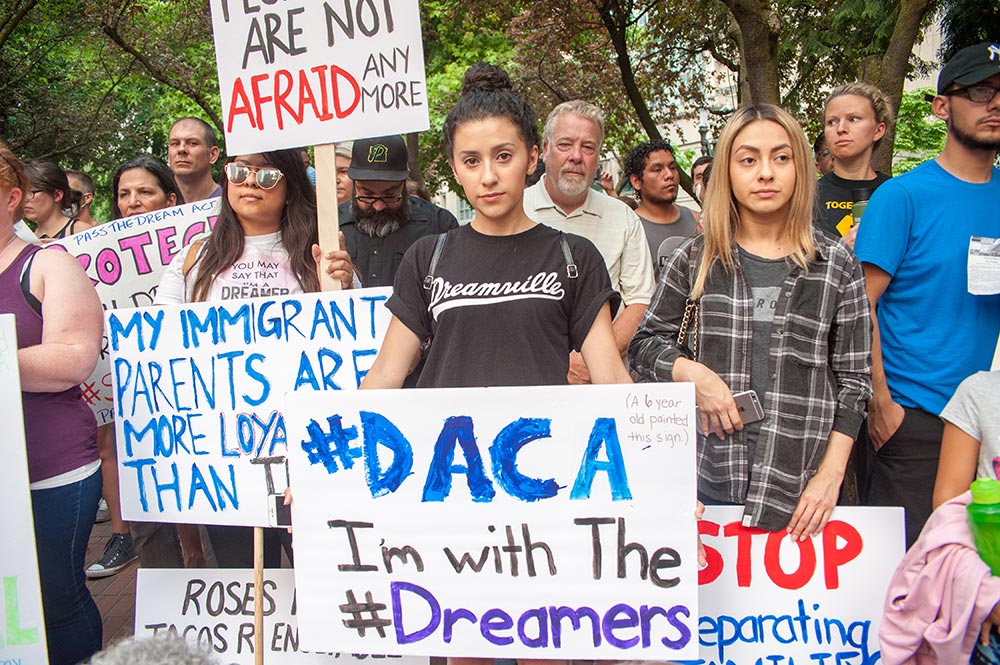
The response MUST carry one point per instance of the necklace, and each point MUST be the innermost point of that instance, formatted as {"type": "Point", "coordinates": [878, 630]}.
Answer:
{"type": "Point", "coordinates": [13, 237]}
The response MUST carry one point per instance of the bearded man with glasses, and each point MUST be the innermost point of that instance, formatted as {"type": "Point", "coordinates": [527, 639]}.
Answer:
{"type": "Point", "coordinates": [382, 220]}
{"type": "Point", "coordinates": [935, 320]}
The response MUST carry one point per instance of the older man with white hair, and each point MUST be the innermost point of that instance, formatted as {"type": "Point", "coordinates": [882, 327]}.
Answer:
{"type": "Point", "coordinates": [564, 199]}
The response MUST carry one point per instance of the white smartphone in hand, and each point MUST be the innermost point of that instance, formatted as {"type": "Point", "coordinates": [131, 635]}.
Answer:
{"type": "Point", "coordinates": [748, 406]}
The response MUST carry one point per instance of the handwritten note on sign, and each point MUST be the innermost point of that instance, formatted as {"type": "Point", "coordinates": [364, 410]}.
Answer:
{"type": "Point", "coordinates": [22, 628]}
{"type": "Point", "coordinates": [300, 72]}
{"type": "Point", "coordinates": [125, 259]}
{"type": "Point", "coordinates": [198, 389]}
{"type": "Point", "coordinates": [549, 522]}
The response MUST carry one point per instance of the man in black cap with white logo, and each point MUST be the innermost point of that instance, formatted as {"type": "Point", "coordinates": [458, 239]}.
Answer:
{"type": "Point", "coordinates": [927, 242]}
{"type": "Point", "coordinates": [382, 220]}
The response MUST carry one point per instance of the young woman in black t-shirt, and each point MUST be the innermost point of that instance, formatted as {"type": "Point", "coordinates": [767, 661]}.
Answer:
{"type": "Point", "coordinates": [855, 118]}
{"type": "Point", "coordinates": [504, 304]}
{"type": "Point", "coordinates": [507, 299]}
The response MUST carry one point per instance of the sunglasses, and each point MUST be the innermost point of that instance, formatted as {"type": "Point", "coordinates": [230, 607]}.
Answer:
{"type": "Point", "coordinates": [265, 177]}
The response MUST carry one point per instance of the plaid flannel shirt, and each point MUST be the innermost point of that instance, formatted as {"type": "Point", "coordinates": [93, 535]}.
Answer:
{"type": "Point", "coordinates": [820, 370]}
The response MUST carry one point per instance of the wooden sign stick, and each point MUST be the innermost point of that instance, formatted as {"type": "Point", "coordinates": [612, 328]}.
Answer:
{"type": "Point", "coordinates": [326, 207]}
{"type": "Point", "coordinates": [258, 595]}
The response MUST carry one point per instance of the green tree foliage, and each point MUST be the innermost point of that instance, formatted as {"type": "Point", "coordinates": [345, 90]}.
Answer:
{"type": "Point", "coordinates": [76, 83]}
{"type": "Point", "coordinates": [454, 37]}
{"type": "Point", "coordinates": [919, 134]}
{"type": "Point", "coordinates": [91, 83]}
{"type": "Point", "coordinates": [968, 22]}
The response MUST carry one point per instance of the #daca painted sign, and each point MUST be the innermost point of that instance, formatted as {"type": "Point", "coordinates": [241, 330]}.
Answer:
{"type": "Point", "coordinates": [198, 394]}
{"type": "Point", "coordinates": [544, 522]}
{"type": "Point", "coordinates": [301, 72]}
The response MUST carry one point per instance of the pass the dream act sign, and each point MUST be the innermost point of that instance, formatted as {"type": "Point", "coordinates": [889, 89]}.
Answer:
{"type": "Point", "coordinates": [125, 259]}
{"type": "Point", "coordinates": [302, 72]}
{"type": "Point", "coordinates": [545, 522]}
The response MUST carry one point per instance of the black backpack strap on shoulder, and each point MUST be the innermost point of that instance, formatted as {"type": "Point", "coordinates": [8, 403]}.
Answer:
{"type": "Point", "coordinates": [571, 270]}
{"type": "Point", "coordinates": [29, 297]}
{"type": "Point", "coordinates": [435, 257]}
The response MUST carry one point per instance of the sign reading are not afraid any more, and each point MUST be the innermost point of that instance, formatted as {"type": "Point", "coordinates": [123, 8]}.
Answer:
{"type": "Point", "coordinates": [301, 72]}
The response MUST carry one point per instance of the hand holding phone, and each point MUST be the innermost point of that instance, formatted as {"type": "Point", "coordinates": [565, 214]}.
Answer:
{"type": "Point", "coordinates": [746, 403]}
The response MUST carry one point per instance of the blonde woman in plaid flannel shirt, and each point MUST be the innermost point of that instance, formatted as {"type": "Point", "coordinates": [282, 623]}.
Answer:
{"type": "Point", "coordinates": [759, 208]}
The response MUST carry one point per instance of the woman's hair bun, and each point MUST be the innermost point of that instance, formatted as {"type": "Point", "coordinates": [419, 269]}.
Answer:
{"type": "Point", "coordinates": [485, 77]}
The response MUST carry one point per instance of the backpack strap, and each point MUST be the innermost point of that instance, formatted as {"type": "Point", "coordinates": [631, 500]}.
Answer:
{"type": "Point", "coordinates": [192, 256]}
{"type": "Point", "coordinates": [435, 257]}
{"type": "Point", "coordinates": [29, 297]}
{"type": "Point", "coordinates": [571, 270]}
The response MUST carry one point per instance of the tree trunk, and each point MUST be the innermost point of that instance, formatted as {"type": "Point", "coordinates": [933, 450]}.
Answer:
{"type": "Point", "coordinates": [616, 21]}
{"type": "Point", "coordinates": [617, 26]}
{"type": "Point", "coordinates": [889, 71]}
{"type": "Point", "coordinates": [759, 33]}
{"type": "Point", "coordinates": [413, 158]}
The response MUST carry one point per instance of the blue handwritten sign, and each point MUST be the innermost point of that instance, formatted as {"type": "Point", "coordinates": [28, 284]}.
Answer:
{"type": "Point", "coordinates": [198, 389]}
{"type": "Point", "coordinates": [547, 522]}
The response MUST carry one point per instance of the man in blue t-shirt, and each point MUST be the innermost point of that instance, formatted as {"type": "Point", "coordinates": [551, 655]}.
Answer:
{"type": "Point", "coordinates": [930, 332]}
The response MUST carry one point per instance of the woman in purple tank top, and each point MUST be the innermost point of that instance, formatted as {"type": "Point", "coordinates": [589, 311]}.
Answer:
{"type": "Point", "coordinates": [59, 324]}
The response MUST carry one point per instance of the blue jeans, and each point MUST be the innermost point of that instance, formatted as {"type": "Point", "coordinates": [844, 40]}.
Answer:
{"type": "Point", "coordinates": [64, 517]}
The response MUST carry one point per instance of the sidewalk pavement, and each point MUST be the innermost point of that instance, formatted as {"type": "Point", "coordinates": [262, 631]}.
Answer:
{"type": "Point", "coordinates": [114, 595]}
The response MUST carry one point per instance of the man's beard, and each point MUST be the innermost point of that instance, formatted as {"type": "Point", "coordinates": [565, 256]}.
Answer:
{"type": "Point", "coordinates": [658, 200]}
{"type": "Point", "coordinates": [380, 224]}
{"type": "Point", "coordinates": [571, 186]}
{"type": "Point", "coordinates": [970, 141]}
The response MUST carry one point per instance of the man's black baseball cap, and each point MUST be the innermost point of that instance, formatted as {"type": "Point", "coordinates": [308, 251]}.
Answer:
{"type": "Point", "coordinates": [380, 158]}
{"type": "Point", "coordinates": [970, 66]}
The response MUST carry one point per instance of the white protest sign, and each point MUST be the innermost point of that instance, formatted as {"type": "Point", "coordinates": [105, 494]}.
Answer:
{"type": "Point", "coordinates": [214, 608]}
{"type": "Point", "coordinates": [767, 599]}
{"type": "Point", "coordinates": [543, 522]}
{"type": "Point", "coordinates": [125, 259]}
{"type": "Point", "coordinates": [303, 73]}
{"type": "Point", "coordinates": [198, 389]}
{"type": "Point", "coordinates": [22, 627]}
